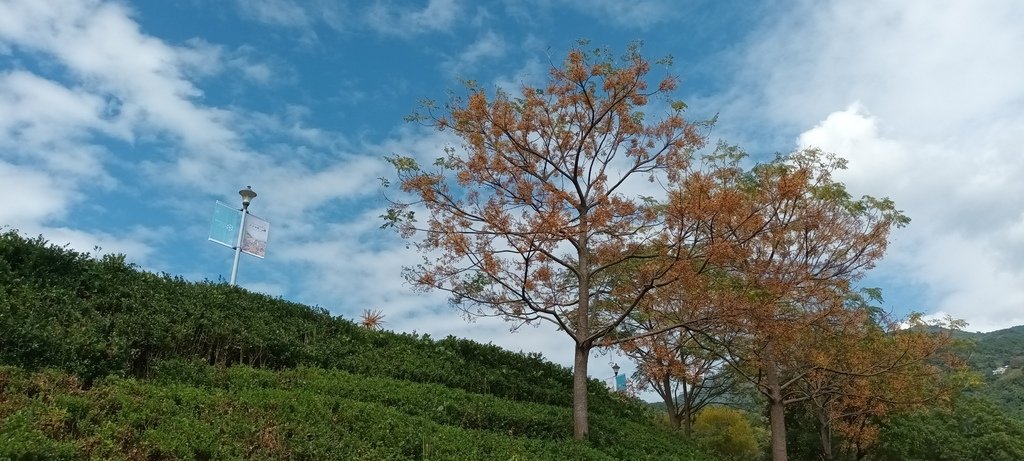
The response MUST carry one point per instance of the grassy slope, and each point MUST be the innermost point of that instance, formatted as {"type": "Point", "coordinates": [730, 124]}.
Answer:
{"type": "Point", "coordinates": [99, 360]}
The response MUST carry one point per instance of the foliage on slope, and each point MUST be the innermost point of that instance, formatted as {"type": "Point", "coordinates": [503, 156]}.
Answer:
{"type": "Point", "coordinates": [998, 357]}
{"type": "Point", "coordinates": [240, 412]}
{"type": "Point", "coordinates": [996, 348]}
{"type": "Point", "coordinates": [974, 428]}
{"type": "Point", "coordinates": [103, 360]}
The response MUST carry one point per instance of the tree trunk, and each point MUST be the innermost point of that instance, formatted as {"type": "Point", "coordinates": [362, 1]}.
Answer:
{"type": "Point", "coordinates": [580, 424]}
{"type": "Point", "coordinates": [777, 417]}
{"type": "Point", "coordinates": [687, 424]}
{"type": "Point", "coordinates": [825, 434]}
{"type": "Point", "coordinates": [673, 418]}
{"type": "Point", "coordinates": [776, 412]}
{"type": "Point", "coordinates": [664, 389]}
{"type": "Point", "coordinates": [673, 413]}
{"type": "Point", "coordinates": [826, 443]}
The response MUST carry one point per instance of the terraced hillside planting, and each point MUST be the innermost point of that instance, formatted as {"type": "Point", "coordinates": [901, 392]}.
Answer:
{"type": "Point", "coordinates": [101, 360]}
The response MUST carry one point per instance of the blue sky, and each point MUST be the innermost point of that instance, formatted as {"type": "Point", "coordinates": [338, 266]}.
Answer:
{"type": "Point", "coordinates": [121, 123]}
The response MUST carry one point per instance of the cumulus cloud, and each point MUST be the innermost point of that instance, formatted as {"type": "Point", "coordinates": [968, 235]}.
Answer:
{"type": "Point", "coordinates": [41, 195]}
{"type": "Point", "coordinates": [926, 100]}
{"type": "Point", "coordinates": [964, 243]}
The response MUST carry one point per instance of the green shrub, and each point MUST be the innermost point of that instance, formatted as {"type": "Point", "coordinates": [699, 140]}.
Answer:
{"type": "Point", "coordinates": [726, 431]}
{"type": "Point", "coordinates": [303, 414]}
{"type": "Point", "coordinates": [20, 439]}
{"type": "Point", "coordinates": [973, 429]}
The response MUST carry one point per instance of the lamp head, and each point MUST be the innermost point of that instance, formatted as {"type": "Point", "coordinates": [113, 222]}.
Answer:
{"type": "Point", "coordinates": [615, 368]}
{"type": "Point", "coordinates": [247, 195]}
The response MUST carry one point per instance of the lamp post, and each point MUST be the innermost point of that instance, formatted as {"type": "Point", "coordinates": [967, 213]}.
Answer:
{"type": "Point", "coordinates": [615, 368]}
{"type": "Point", "coordinates": [247, 195]}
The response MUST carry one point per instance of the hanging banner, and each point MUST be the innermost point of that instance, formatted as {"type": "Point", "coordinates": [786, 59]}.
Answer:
{"type": "Point", "coordinates": [254, 236]}
{"type": "Point", "coordinates": [224, 226]}
{"type": "Point", "coordinates": [620, 382]}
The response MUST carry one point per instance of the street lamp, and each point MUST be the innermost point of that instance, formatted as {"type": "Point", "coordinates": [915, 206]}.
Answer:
{"type": "Point", "coordinates": [247, 195]}
{"type": "Point", "coordinates": [615, 368]}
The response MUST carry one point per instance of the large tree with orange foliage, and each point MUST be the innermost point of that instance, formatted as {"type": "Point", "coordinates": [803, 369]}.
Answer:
{"type": "Point", "coordinates": [542, 197]}
{"type": "Point", "coordinates": [796, 253]}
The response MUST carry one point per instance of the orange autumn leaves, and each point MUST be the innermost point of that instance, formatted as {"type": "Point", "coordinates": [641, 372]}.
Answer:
{"type": "Point", "coordinates": [539, 179]}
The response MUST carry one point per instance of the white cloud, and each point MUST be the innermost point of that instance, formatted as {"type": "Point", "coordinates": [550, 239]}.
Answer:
{"type": "Point", "coordinates": [855, 131]}
{"type": "Point", "coordinates": [200, 59]}
{"type": "Point", "coordinates": [47, 133]}
{"type": "Point", "coordinates": [298, 190]}
{"type": "Point", "coordinates": [926, 100]}
{"type": "Point", "coordinates": [964, 244]}
{"type": "Point", "coordinates": [437, 15]}
{"type": "Point", "coordinates": [381, 16]}
{"type": "Point", "coordinates": [103, 47]}
{"type": "Point", "coordinates": [44, 123]}
{"type": "Point", "coordinates": [638, 14]}
{"type": "Point", "coordinates": [275, 12]}
{"type": "Point", "coordinates": [142, 90]}
{"type": "Point", "coordinates": [488, 46]}
{"type": "Point", "coordinates": [51, 156]}
{"type": "Point", "coordinates": [258, 72]}
{"type": "Point", "coordinates": [40, 196]}
{"type": "Point", "coordinates": [952, 60]}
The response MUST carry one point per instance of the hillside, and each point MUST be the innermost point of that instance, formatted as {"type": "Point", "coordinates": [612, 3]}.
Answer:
{"type": "Point", "coordinates": [998, 356]}
{"type": "Point", "coordinates": [101, 360]}
{"type": "Point", "coordinates": [997, 348]}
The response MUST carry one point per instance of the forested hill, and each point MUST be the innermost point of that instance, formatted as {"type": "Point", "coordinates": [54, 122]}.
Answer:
{"type": "Point", "coordinates": [998, 348]}
{"type": "Point", "coordinates": [99, 360]}
{"type": "Point", "coordinates": [998, 356]}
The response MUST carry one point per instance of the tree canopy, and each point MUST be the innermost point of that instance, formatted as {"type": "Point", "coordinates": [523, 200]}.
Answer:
{"type": "Point", "coordinates": [539, 200]}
